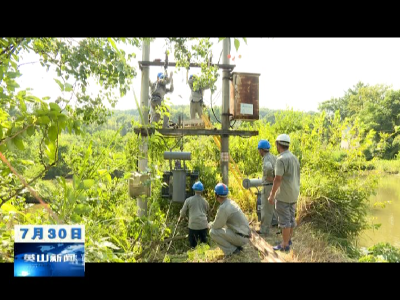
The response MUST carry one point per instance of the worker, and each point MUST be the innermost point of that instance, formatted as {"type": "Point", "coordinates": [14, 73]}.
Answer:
{"type": "Point", "coordinates": [198, 208]}
{"type": "Point", "coordinates": [285, 190]}
{"type": "Point", "coordinates": [268, 165]}
{"type": "Point", "coordinates": [158, 91]}
{"type": "Point", "coordinates": [230, 229]}
{"type": "Point", "coordinates": [196, 98]}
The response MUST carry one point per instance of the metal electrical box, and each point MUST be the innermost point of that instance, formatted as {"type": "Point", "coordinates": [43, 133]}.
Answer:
{"type": "Point", "coordinates": [178, 182]}
{"type": "Point", "coordinates": [244, 96]}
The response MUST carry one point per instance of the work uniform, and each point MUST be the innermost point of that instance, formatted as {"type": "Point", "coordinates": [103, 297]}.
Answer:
{"type": "Point", "coordinates": [230, 228]}
{"type": "Point", "coordinates": [198, 208]}
{"type": "Point", "coordinates": [287, 166]}
{"type": "Point", "coordinates": [196, 100]}
{"type": "Point", "coordinates": [268, 215]}
{"type": "Point", "coordinates": [158, 91]}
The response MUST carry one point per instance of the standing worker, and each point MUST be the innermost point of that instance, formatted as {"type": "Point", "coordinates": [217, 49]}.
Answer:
{"type": "Point", "coordinates": [287, 180]}
{"type": "Point", "coordinates": [196, 98]}
{"type": "Point", "coordinates": [158, 91]}
{"type": "Point", "coordinates": [198, 208]}
{"type": "Point", "coordinates": [268, 165]}
{"type": "Point", "coordinates": [230, 229]}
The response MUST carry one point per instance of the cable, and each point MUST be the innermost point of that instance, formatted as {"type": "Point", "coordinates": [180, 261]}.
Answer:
{"type": "Point", "coordinates": [212, 107]}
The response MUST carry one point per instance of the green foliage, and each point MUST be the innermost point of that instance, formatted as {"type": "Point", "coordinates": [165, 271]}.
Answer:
{"type": "Point", "coordinates": [378, 108]}
{"type": "Point", "coordinates": [199, 253]}
{"type": "Point", "coordinates": [382, 252]}
{"type": "Point", "coordinates": [88, 152]}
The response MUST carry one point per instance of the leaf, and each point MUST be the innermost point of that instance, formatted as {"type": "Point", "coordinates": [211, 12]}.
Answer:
{"type": "Point", "coordinates": [109, 245]}
{"type": "Point", "coordinates": [43, 120]}
{"type": "Point", "coordinates": [113, 44]}
{"type": "Point", "coordinates": [76, 218]}
{"type": "Point", "coordinates": [245, 40]}
{"type": "Point", "coordinates": [75, 182]}
{"type": "Point", "coordinates": [27, 162]}
{"type": "Point", "coordinates": [237, 44]}
{"type": "Point", "coordinates": [31, 130]}
{"type": "Point", "coordinates": [81, 209]}
{"type": "Point", "coordinates": [12, 74]}
{"type": "Point", "coordinates": [51, 150]}
{"type": "Point", "coordinates": [108, 177]}
{"type": "Point", "coordinates": [88, 183]}
{"type": "Point", "coordinates": [59, 84]}
{"type": "Point", "coordinates": [54, 106]}
{"type": "Point", "coordinates": [220, 39]}
{"type": "Point", "coordinates": [53, 133]}
{"type": "Point", "coordinates": [68, 87]}
{"type": "Point", "coordinates": [7, 207]}
{"type": "Point", "coordinates": [18, 142]}
{"type": "Point", "coordinates": [101, 172]}
{"type": "Point", "coordinates": [22, 105]}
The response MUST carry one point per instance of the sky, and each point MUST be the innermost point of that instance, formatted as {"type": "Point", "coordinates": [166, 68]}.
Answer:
{"type": "Point", "coordinates": [296, 73]}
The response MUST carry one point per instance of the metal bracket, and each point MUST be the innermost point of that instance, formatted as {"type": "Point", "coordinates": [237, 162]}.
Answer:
{"type": "Point", "coordinates": [143, 131]}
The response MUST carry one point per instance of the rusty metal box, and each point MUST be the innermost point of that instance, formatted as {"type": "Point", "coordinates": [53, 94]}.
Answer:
{"type": "Point", "coordinates": [244, 96]}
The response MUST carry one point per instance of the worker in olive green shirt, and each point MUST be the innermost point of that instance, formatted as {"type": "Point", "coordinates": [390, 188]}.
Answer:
{"type": "Point", "coordinates": [285, 190]}
{"type": "Point", "coordinates": [198, 208]}
{"type": "Point", "coordinates": [158, 91]}
{"type": "Point", "coordinates": [267, 209]}
{"type": "Point", "coordinates": [230, 229]}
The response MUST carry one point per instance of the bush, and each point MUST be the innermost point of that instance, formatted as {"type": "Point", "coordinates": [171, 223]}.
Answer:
{"type": "Point", "coordinates": [382, 252]}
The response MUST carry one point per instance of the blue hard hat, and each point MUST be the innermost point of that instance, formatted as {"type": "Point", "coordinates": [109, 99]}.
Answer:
{"type": "Point", "coordinates": [190, 77]}
{"type": "Point", "coordinates": [221, 189]}
{"type": "Point", "coordinates": [198, 186]}
{"type": "Point", "coordinates": [159, 75]}
{"type": "Point", "coordinates": [263, 144]}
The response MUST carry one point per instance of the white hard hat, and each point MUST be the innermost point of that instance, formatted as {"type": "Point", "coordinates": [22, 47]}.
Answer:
{"type": "Point", "coordinates": [283, 139]}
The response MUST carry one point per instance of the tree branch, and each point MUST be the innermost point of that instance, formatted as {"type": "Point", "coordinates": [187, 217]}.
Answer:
{"type": "Point", "coordinates": [29, 183]}
{"type": "Point", "coordinates": [46, 206]}
{"type": "Point", "coordinates": [10, 138]}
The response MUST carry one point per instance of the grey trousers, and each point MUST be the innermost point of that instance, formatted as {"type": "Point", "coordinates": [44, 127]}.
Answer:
{"type": "Point", "coordinates": [227, 240]}
{"type": "Point", "coordinates": [155, 115]}
{"type": "Point", "coordinates": [195, 107]}
{"type": "Point", "coordinates": [267, 210]}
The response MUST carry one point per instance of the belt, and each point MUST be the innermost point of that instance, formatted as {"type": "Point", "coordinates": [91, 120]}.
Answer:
{"type": "Point", "coordinates": [242, 235]}
{"type": "Point", "coordinates": [271, 183]}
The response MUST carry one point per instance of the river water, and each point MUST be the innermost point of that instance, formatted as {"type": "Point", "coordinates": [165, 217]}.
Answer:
{"type": "Point", "coordinates": [388, 217]}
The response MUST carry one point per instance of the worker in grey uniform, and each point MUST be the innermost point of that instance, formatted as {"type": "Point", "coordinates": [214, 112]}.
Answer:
{"type": "Point", "coordinates": [158, 91]}
{"type": "Point", "coordinates": [230, 229]}
{"type": "Point", "coordinates": [196, 98]}
{"type": "Point", "coordinates": [198, 208]}
{"type": "Point", "coordinates": [285, 190]}
{"type": "Point", "coordinates": [267, 209]}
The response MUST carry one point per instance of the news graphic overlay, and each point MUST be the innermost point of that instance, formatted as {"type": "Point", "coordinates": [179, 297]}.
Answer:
{"type": "Point", "coordinates": [49, 250]}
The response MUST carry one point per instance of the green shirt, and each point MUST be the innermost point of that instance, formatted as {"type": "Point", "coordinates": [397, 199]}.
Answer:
{"type": "Point", "coordinates": [269, 162]}
{"type": "Point", "coordinates": [287, 166]}
{"type": "Point", "coordinates": [230, 215]}
{"type": "Point", "coordinates": [198, 208]}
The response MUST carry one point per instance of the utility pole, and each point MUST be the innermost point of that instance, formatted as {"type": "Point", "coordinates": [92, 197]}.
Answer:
{"type": "Point", "coordinates": [144, 107]}
{"type": "Point", "coordinates": [225, 113]}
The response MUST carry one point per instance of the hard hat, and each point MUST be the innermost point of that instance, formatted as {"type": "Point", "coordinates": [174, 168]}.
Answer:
{"type": "Point", "coordinates": [221, 189]}
{"type": "Point", "coordinates": [159, 75]}
{"type": "Point", "coordinates": [283, 139]}
{"type": "Point", "coordinates": [190, 77]}
{"type": "Point", "coordinates": [198, 186]}
{"type": "Point", "coordinates": [263, 144]}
